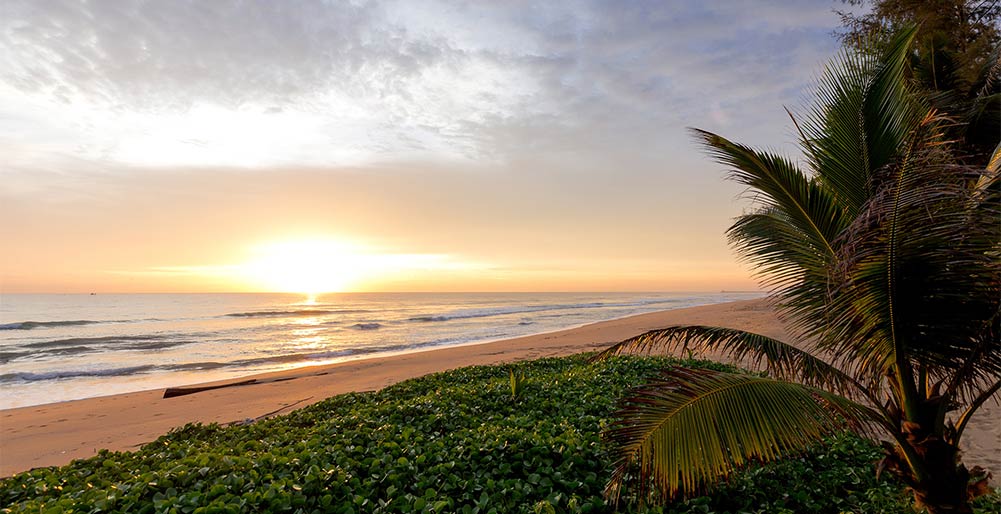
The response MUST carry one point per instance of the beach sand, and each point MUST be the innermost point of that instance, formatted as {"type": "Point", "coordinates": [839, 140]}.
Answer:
{"type": "Point", "coordinates": [55, 434]}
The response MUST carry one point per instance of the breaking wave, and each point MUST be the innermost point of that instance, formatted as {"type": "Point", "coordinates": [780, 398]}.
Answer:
{"type": "Point", "coordinates": [30, 325]}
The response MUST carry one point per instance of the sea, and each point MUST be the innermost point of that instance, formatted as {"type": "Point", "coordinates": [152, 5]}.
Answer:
{"type": "Point", "coordinates": [63, 347]}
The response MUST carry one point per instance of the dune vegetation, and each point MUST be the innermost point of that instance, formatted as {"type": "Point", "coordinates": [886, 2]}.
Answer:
{"type": "Point", "coordinates": [450, 442]}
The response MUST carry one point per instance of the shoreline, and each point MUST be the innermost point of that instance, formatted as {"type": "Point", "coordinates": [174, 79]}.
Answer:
{"type": "Point", "coordinates": [214, 344]}
{"type": "Point", "coordinates": [57, 433]}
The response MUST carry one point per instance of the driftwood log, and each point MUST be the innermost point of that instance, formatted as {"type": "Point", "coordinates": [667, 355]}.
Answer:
{"type": "Point", "coordinates": [172, 392]}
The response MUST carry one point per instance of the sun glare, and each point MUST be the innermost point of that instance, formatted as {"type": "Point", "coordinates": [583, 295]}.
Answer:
{"type": "Point", "coordinates": [316, 266]}
{"type": "Point", "coordinates": [309, 267]}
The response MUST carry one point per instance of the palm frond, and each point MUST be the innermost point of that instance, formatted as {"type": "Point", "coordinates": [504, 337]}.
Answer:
{"type": "Point", "coordinates": [974, 405]}
{"type": "Point", "coordinates": [920, 278]}
{"type": "Point", "coordinates": [891, 342]}
{"type": "Point", "coordinates": [863, 115]}
{"type": "Point", "coordinates": [752, 351]}
{"type": "Point", "coordinates": [789, 239]}
{"type": "Point", "coordinates": [994, 163]}
{"type": "Point", "coordinates": [782, 187]}
{"type": "Point", "coordinates": [787, 264]}
{"type": "Point", "coordinates": [692, 427]}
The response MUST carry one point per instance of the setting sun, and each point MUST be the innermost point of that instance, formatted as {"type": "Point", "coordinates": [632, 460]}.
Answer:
{"type": "Point", "coordinates": [313, 266]}
{"type": "Point", "coordinates": [306, 267]}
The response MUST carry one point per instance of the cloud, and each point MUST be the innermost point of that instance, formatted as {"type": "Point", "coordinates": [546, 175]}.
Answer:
{"type": "Point", "coordinates": [161, 56]}
{"type": "Point", "coordinates": [262, 83]}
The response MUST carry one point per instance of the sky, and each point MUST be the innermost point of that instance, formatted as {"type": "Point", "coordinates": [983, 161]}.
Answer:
{"type": "Point", "coordinates": [190, 146]}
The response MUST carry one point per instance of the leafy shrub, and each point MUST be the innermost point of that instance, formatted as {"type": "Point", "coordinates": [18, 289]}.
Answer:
{"type": "Point", "coordinates": [449, 442]}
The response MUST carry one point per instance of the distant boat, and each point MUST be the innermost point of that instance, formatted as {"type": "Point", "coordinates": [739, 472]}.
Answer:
{"type": "Point", "coordinates": [93, 294]}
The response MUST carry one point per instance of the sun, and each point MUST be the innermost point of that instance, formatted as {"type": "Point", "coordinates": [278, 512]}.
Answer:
{"type": "Point", "coordinates": [310, 267]}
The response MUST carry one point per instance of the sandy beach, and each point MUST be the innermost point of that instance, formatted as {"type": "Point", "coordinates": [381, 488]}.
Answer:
{"type": "Point", "coordinates": [55, 434]}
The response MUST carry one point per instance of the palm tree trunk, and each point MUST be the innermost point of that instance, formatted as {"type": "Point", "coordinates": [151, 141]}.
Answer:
{"type": "Point", "coordinates": [944, 489]}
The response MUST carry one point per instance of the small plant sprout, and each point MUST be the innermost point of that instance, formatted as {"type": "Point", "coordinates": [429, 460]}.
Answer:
{"type": "Point", "coordinates": [518, 383]}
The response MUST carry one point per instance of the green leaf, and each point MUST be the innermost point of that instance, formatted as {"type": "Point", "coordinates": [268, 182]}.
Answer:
{"type": "Point", "coordinates": [691, 428]}
{"type": "Point", "coordinates": [752, 351]}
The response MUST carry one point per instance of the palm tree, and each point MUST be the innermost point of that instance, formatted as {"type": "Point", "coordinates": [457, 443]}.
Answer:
{"type": "Point", "coordinates": [884, 261]}
{"type": "Point", "coordinates": [954, 60]}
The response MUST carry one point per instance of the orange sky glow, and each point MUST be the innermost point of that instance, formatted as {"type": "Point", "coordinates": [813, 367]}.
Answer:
{"type": "Point", "coordinates": [385, 145]}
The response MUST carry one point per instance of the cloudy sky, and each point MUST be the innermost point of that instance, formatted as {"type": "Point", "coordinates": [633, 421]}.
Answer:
{"type": "Point", "coordinates": [383, 145]}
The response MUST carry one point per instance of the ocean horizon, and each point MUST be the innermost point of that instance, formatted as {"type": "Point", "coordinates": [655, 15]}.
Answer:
{"type": "Point", "coordinates": [60, 347]}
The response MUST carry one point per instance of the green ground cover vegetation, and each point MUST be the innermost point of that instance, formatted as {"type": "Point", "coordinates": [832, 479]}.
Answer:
{"type": "Point", "coordinates": [449, 442]}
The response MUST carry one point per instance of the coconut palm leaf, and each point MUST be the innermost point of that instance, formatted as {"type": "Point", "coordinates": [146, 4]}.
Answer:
{"type": "Point", "coordinates": [786, 263]}
{"type": "Point", "coordinates": [977, 402]}
{"type": "Point", "coordinates": [994, 164]}
{"type": "Point", "coordinates": [868, 330]}
{"type": "Point", "coordinates": [754, 351]}
{"type": "Point", "coordinates": [809, 211]}
{"type": "Point", "coordinates": [920, 273]}
{"type": "Point", "coordinates": [979, 370]}
{"type": "Point", "coordinates": [692, 427]}
{"type": "Point", "coordinates": [790, 238]}
{"type": "Point", "coordinates": [862, 116]}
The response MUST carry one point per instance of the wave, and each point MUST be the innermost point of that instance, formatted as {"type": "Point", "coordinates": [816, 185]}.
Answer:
{"type": "Point", "coordinates": [110, 372]}
{"type": "Point", "coordinates": [85, 344]}
{"type": "Point", "coordinates": [246, 364]}
{"type": "Point", "coordinates": [250, 365]}
{"type": "Point", "coordinates": [31, 325]}
{"type": "Point", "coordinates": [6, 357]}
{"type": "Point", "coordinates": [76, 341]}
{"type": "Point", "coordinates": [504, 311]}
{"type": "Point", "coordinates": [293, 313]}
{"type": "Point", "coordinates": [366, 326]}
{"type": "Point", "coordinates": [187, 366]}
{"type": "Point", "coordinates": [27, 376]}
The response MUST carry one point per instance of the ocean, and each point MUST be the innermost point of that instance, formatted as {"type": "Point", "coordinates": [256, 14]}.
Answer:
{"type": "Point", "coordinates": [64, 347]}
